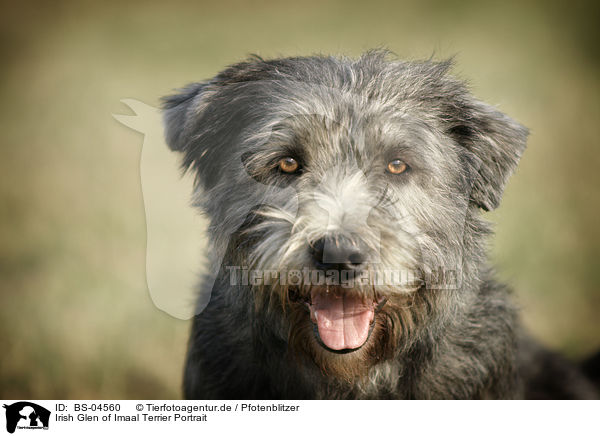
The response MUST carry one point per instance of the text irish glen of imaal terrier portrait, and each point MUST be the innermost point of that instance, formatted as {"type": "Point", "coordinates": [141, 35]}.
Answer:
{"type": "Point", "coordinates": [345, 200]}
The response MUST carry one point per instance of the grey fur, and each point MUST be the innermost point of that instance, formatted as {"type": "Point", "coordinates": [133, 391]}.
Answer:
{"type": "Point", "coordinates": [344, 120]}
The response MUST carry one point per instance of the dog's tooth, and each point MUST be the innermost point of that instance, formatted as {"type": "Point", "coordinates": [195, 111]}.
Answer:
{"type": "Point", "coordinates": [313, 314]}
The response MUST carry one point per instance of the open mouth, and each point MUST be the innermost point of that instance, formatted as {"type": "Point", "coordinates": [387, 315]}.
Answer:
{"type": "Point", "coordinates": [343, 321]}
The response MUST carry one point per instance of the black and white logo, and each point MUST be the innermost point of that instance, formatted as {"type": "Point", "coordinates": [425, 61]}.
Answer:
{"type": "Point", "coordinates": [26, 415]}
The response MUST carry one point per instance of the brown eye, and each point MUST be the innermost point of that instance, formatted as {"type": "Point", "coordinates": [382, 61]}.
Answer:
{"type": "Point", "coordinates": [396, 166]}
{"type": "Point", "coordinates": [288, 165]}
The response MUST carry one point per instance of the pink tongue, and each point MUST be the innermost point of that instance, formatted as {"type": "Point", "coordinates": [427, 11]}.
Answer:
{"type": "Point", "coordinates": [343, 321]}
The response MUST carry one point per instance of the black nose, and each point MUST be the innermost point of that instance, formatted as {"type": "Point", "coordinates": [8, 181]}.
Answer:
{"type": "Point", "coordinates": [337, 252]}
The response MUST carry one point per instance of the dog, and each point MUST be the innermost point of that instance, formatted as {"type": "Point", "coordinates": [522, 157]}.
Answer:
{"type": "Point", "coordinates": [345, 200]}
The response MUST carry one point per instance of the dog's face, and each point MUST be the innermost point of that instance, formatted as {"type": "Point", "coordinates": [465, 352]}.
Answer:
{"type": "Point", "coordinates": [350, 189]}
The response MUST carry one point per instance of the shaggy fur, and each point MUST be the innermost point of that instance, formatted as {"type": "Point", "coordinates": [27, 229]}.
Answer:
{"type": "Point", "coordinates": [448, 330]}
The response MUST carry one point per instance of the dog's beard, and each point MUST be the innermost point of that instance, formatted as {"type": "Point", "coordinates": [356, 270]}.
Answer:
{"type": "Point", "coordinates": [344, 328]}
{"type": "Point", "coordinates": [355, 327]}
{"type": "Point", "coordinates": [343, 331]}
{"type": "Point", "coordinates": [374, 333]}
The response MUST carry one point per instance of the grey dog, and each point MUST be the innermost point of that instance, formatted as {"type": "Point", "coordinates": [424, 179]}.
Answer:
{"type": "Point", "coordinates": [345, 200]}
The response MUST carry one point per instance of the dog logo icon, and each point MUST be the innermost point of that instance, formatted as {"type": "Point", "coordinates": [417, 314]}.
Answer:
{"type": "Point", "coordinates": [26, 415]}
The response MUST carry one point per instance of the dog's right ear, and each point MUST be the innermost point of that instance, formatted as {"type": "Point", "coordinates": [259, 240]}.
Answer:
{"type": "Point", "coordinates": [179, 111]}
{"type": "Point", "coordinates": [193, 130]}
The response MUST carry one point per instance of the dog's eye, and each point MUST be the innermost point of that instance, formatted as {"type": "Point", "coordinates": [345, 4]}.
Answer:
{"type": "Point", "coordinates": [288, 165]}
{"type": "Point", "coordinates": [396, 166]}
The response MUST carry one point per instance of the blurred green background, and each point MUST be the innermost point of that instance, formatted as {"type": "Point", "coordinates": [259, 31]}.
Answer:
{"type": "Point", "coordinates": [76, 317]}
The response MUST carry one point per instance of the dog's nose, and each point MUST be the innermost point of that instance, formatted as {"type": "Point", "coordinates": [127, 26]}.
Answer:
{"type": "Point", "coordinates": [337, 252]}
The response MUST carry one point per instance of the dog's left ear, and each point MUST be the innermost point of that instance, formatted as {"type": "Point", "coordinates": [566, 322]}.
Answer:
{"type": "Point", "coordinates": [498, 143]}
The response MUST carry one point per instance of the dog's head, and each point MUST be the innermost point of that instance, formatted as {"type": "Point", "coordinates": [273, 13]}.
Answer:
{"type": "Point", "coordinates": [351, 190]}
